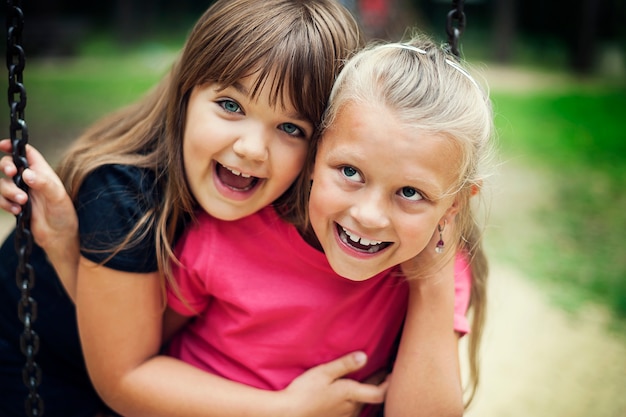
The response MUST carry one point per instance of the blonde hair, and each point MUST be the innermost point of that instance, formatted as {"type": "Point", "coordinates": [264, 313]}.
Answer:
{"type": "Point", "coordinates": [297, 45]}
{"type": "Point", "coordinates": [428, 90]}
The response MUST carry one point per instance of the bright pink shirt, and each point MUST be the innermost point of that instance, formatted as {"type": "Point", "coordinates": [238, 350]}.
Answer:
{"type": "Point", "coordinates": [268, 306]}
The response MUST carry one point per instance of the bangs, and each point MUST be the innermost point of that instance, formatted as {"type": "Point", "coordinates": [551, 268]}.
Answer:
{"type": "Point", "coordinates": [294, 49]}
{"type": "Point", "coordinates": [297, 72]}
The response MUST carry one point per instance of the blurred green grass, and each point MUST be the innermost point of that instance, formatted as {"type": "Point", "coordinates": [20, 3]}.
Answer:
{"type": "Point", "coordinates": [573, 135]}
{"type": "Point", "coordinates": [65, 95]}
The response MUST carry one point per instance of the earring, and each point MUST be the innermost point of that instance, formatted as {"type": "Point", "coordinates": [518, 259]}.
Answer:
{"type": "Point", "coordinates": [440, 245]}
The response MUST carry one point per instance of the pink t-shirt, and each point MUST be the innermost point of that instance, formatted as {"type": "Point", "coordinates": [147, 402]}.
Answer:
{"type": "Point", "coordinates": [268, 306]}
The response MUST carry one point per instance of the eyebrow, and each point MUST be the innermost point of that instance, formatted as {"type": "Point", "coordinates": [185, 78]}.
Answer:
{"type": "Point", "coordinates": [241, 88]}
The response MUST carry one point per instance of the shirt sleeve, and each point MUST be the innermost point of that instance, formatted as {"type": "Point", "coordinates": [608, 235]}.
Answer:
{"type": "Point", "coordinates": [110, 203]}
{"type": "Point", "coordinates": [462, 292]}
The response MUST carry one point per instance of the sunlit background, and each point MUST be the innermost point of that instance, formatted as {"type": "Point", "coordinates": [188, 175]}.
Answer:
{"type": "Point", "coordinates": [555, 342]}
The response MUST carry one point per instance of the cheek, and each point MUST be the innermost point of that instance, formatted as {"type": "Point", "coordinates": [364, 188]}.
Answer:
{"type": "Point", "coordinates": [289, 161]}
{"type": "Point", "coordinates": [321, 201]}
{"type": "Point", "coordinates": [191, 158]}
{"type": "Point", "coordinates": [316, 203]}
{"type": "Point", "coordinates": [192, 148]}
{"type": "Point", "coordinates": [324, 190]}
{"type": "Point", "coordinates": [416, 235]}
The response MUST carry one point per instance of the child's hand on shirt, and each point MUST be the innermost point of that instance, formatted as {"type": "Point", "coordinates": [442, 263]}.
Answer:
{"type": "Point", "coordinates": [336, 396]}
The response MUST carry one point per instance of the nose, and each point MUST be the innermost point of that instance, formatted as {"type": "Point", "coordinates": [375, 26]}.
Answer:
{"type": "Point", "coordinates": [253, 145]}
{"type": "Point", "coordinates": [370, 210]}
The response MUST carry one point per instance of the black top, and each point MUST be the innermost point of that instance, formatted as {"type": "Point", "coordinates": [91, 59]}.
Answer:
{"type": "Point", "coordinates": [110, 202]}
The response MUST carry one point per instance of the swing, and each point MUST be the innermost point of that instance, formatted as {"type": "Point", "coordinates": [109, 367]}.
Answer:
{"type": "Point", "coordinates": [25, 276]}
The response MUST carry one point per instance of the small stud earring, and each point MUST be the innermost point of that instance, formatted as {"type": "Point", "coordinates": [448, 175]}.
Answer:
{"type": "Point", "coordinates": [440, 245]}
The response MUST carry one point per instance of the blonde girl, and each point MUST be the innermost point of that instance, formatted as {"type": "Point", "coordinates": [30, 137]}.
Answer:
{"type": "Point", "coordinates": [407, 140]}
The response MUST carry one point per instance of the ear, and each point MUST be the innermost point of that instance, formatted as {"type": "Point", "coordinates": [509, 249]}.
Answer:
{"type": "Point", "coordinates": [475, 188]}
{"type": "Point", "coordinates": [453, 210]}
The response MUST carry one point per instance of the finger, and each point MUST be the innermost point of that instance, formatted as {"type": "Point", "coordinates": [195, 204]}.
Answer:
{"type": "Point", "coordinates": [7, 167]}
{"type": "Point", "coordinates": [41, 177]}
{"type": "Point", "coordinates": [47, 183]}
{"type": "Point", "coordinates": [11, 196]}
{"type": "Point", "coordinates": [365, 393]}
{"type": "Point", "coordinates": [377, 378]}
{"type": "Point", "coordinates": [344, 365]}
{"type": "Point", "coordinates": [9, 206]}
{"type": "Point", "coordinates": [5, 145]}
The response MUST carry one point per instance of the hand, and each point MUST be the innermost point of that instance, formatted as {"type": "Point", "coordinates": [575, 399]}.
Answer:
{"type": "Point", "coordinates": [53, 220]}
{"type": "Point", "coordinates": [321, 391]}
{"type": "Point", "coordinates": [54, 223]}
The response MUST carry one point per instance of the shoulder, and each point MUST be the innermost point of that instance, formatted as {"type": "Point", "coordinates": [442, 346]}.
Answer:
{"type": "Point", "coordinates": [114, 187]}
{"type": "Point", "coordinates": [114, 202]}
{"type": "Point", "coordinates": [127, 178]}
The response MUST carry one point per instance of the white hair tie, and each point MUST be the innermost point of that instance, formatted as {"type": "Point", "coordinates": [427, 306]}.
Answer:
{"type": "Point", "coordinates": [423, 52]}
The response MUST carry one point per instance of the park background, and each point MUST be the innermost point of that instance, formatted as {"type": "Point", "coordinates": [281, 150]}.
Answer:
{"type": "Point", "coordinates": [555, 341]}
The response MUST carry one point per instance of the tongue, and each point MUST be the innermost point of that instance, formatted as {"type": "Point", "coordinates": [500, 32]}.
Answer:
{"type": "Point", "coordinates": [234, 181]}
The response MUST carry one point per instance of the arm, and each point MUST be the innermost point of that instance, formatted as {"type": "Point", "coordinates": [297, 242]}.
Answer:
{"type": "Point", "coordinates": [119, 318]}
{"type": "Point", "coordinates": [53, 221]}
{"type": "Point", "coordinates": [426, 377]}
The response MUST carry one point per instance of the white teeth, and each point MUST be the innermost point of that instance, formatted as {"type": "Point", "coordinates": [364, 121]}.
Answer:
{"type": "Point", "coordinates": [237, 172]}
{"type": "Point", "coordinates": [358, 239]}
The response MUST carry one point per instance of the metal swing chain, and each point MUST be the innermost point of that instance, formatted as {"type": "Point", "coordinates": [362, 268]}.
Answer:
{"type": "Point", "coordinates": [25, 275]}
{"type": "Point", "coordinates": [455, 25]}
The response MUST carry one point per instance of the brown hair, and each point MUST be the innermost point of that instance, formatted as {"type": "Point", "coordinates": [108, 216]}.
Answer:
{"type": "Point", "coordinates": [294, 44]}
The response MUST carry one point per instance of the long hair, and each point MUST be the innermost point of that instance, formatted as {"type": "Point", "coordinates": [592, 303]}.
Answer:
{"type": "Point", "coordinates": [429, 91]}
{"type": "Point", "coordinates": [294, 45]}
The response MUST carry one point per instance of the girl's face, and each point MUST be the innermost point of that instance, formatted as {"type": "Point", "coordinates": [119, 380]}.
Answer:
{"type": "Point", "coordinates": [240, 153]}
{"type": "Point", "coordinates": [379, 190]}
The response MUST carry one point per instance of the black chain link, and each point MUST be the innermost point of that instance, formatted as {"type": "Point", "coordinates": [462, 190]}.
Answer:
{"type": "Point", "coordinates": [25, 275]}
{"type": "Point", "coordinates": [455, 25]}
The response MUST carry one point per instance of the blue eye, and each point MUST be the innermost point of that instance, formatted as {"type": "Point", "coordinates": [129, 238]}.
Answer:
{"type": "Point", "coordinates": [291, 129]}
{"type": "Point", "coordinates": [410, 193]}
{"type": "Point", "coordinates": [350, 172]}
{"type": "Point", "coordinates": [230, 106]}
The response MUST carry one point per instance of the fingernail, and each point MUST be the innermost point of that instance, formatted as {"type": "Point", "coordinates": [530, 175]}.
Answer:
{"type": "Point", "coordinates": [28, 175]}
{"type": "Point", "coordinates": [360, 357]}
{"type": "Point", "coordinates": [20, 198]}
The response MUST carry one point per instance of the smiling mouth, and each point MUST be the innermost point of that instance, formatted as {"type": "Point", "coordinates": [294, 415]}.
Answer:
{"type": "Point", "coordinates": [360, 244]}
{"type": "Point", "coordinates": [235, 180]}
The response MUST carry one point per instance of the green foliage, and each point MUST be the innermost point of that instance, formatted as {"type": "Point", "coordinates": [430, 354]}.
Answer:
{"type": "Point", "coordinates": [577, 137]}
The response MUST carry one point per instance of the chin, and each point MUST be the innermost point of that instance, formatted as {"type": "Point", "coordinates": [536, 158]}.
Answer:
{"type": "Point", "coordinates": [350, 274]}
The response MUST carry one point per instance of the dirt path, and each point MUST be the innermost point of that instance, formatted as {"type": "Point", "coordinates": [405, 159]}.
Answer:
{"type": "Point", "coordinates": [537, 359]}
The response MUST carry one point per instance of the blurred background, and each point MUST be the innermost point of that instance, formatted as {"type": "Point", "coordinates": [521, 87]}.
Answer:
{"type": "Point", "coordinates": [555, 342]}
